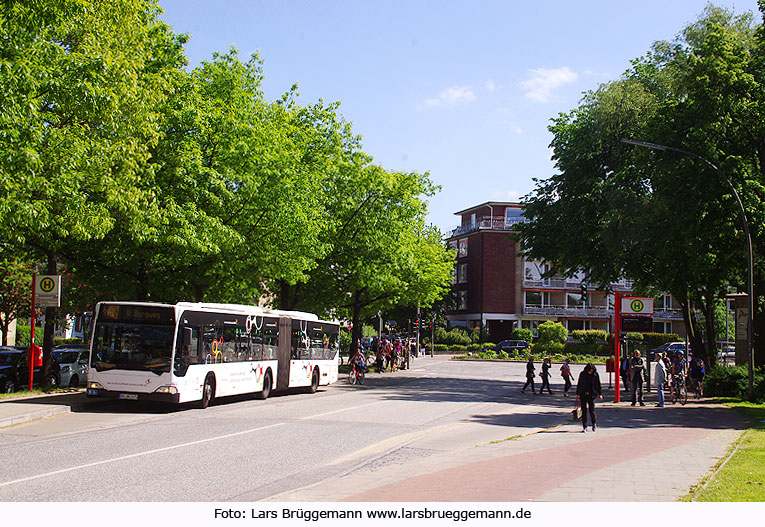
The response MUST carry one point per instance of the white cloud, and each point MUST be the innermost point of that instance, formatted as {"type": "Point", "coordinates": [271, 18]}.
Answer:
{"type": "Point", "coordinates": [542, 82]}
{"type": "Point", "coordinates": [490, 85]}
{"type": "Point", "coordinates": [450, 97]}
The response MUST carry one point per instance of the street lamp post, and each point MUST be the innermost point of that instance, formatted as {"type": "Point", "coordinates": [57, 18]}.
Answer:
{"type": "Point", "coordinates": [750, 273]}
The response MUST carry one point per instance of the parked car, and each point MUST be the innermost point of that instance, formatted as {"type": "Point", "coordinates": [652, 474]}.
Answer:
{"type": "Point", "coordinates": [511, 345]}
{"type": "Point", "coordinates": [668, 347]}
{"type": "Point", "coordinates": [14, 372]}
{"type": "Point", "coordinates": [74, 364]}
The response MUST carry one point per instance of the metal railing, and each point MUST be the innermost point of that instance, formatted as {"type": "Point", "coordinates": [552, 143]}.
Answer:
{"type": "Point", "coordinates": [496, 224]}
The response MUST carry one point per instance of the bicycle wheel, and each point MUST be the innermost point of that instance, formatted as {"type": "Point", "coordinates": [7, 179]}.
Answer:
{"type": "Point", "coordinates": [352, 376]}
{"type": "Point", "coordinates": [683, 395]}
{"type": "Point", "coordinates": [361, 376]}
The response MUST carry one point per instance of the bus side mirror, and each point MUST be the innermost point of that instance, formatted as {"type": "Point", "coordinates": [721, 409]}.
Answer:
{"type": "Point", "coordinates": [186, 336]}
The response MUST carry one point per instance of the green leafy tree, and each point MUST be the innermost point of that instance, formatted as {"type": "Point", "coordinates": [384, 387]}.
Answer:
{"type": "Point", "coordinates": [79, 84]}
{"type": "Point", "coordinates": [662, 219]}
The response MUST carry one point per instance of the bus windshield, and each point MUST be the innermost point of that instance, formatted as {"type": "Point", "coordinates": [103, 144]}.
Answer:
{"type": "Point", "coordinates": [126, 346]}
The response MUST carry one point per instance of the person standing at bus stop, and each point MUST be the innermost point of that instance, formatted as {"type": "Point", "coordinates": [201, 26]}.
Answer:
{"type": "Point", "coordinates": [587, 389]}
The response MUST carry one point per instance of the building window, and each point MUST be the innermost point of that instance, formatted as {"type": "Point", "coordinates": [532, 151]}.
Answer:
{"type": "Point", "coordinates": [463, 248]}
{"type": "Point", "coordinates": [573, 325]}
{"type": "Point", "coordinates": [574, 300]}
{"type": "Point", "coordinates": [454, 276]}
{"type": "Point", "coordinates": [462, 300]}
{"type": "Point", "coordinates": [462, 273]}
{"type": "Point", "coordinates": [513, 216]}
{"type": "Point", "coordinates": [453, 246]}
{"type": "Point", "coordinates": [472, 220]}
{"type": "Point", "coordinates": [537, 299]}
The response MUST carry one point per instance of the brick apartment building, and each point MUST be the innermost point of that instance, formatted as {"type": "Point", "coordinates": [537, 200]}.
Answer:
{"type": "Point", "coordinates": [494, 285]}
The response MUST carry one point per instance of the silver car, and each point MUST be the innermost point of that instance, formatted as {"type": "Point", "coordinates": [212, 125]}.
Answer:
{"type": "Point", "coordinates": [74, 364]}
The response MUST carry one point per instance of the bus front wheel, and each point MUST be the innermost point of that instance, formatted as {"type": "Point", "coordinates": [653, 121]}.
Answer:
{"type": "Point", "coordinates": [314, 381]}
{"type": "Point", "coordinates": [207, 393]}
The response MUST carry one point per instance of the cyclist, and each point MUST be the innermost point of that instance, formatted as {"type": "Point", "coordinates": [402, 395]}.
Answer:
{"type": "Point", "coordinates": [698, 371]}
{"type": "Point", "coordinates": [678, 370]}
{"type": "Point", "coordinates": [359, 359]}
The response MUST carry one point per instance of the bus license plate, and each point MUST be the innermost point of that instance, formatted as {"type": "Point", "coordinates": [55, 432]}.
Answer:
{"type": "Point", "coordinates": [92, 391]}
{"type": "Point", "coordinates": [129, 396]}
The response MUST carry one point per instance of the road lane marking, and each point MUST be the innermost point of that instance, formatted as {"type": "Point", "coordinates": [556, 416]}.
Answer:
{"type": "Point", "coordinates": [341, 410]}
{"type": "Point", "coordinates": [138, 454]}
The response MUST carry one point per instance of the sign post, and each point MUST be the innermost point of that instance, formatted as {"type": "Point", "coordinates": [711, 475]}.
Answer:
{"type": "Point", "coordinates": [617, 343]}
{"type": "Point", "coordinates": [46, 292]}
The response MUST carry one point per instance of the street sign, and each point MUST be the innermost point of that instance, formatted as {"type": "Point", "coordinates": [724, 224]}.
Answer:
{"type": "Point", "coordinates": [633, 305]}
{"type": "Point", "coordinates": [48, 290]}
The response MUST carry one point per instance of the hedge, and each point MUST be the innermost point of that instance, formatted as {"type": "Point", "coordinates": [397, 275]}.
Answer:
{"type": "Point", "coordinates": [733, 381]}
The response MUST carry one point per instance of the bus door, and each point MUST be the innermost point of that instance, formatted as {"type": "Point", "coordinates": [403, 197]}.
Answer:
{"type": "Point", "coordinates": [285, 349]}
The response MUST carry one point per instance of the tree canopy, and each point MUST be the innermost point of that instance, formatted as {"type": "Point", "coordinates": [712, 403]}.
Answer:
{"type": "Point", "coordinates": [145, 180]}
{"type": "Point", "coordinates": [662, 218]}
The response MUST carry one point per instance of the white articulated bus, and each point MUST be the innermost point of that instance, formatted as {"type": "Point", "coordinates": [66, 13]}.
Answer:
{"type": "Point", "coordinates": [194, 352]}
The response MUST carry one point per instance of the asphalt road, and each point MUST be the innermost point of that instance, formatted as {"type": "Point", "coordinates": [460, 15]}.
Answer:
{"type": "Point", "coordinates": [241, 449]}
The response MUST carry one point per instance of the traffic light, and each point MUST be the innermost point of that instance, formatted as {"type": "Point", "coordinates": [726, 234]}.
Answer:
{"type": "Point", "coordinates": [584, 293]}
{"type": "Point", "coordinates": [430, 325]}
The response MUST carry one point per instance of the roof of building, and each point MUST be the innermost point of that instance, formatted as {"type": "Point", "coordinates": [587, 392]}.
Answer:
{"type": "Point", "coordinates": [490, 204]}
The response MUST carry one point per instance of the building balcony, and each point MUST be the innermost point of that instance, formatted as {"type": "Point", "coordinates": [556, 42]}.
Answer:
{"type": "Point", "coordinates": [668, 314]}
{"type": "Point", "coordinates": [569, 312]}
{"type": "Point", "coordinates": [565, 283]}
{"type": "Point", "coordinates": [488, 223]}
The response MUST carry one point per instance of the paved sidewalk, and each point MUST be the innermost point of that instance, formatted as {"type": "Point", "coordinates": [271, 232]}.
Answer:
{"type": "Point", "coordinates": [637, 454]}
{"type": "Point", "coordinates": [23, 409]}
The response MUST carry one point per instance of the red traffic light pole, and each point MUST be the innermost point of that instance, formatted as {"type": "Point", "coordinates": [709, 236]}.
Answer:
{"type": "Point", "coordinates": [31, 351]}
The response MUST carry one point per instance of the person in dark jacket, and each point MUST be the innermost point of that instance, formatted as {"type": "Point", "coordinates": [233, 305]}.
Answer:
{"type": "Point", "coordinates": [545, 374]}
{"type": "Point", "coordinates": [529, 376]}
{"type": "Point", "coordinates": [587, 389]}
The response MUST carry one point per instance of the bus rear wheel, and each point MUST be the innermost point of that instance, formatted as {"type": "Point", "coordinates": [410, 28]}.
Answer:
{"type": "Point", "coordinates": [266, 387]}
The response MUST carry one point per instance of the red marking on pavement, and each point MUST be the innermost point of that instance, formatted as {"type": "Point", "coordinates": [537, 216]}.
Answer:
{"type": "Point", "coordinates": [529, 475]}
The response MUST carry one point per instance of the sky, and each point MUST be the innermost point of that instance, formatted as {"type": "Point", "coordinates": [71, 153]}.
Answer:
{"type": "Point", "coordinates": [461, 90]}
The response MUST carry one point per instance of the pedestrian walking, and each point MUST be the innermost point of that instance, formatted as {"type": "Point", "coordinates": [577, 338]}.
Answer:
{"type": "Point", "coordinates": [565, 372]}
{"type": "Point", "coordinates": [660, 377]}
{"type": "Point", "coordinates": [587, 389]}
{"type": "Point", "coordinates": [545, 374]}
{"type": "Point", "coordinates": [529, 376]}
{"type": "Point", "coordinates": [637, 375]}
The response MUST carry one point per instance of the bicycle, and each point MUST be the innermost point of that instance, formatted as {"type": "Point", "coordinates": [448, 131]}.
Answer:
{"type": "Point", "coordinates": [679, 390]}
{"type": "Point", "coordinates": [356, 374]}
{"type": "Point", "coordinates": [698, 387]}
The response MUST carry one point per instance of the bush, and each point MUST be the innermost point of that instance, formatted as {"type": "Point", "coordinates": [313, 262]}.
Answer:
{"type": "Point", "coordinates": [475, 346]}
{"type": "Point", "coordinates": [552, 332]}
{"type": "Point", "coordinates": [457, 347]}
{"type": "Point", "coordinates": [440, 347]}
{"type": "Point", "coordinates": [457, 336]}
{"type": "Point", "coordinates": [502, 355]}
{"type": "Point", "coordinates": [580, 348]}
{"type": "Point", "coordinates": [547, 348]}
{"type": "Point", "coordinates": [23, 335]}
{"type": "Point", "coordinates": [733, 381]}
{"type": "Point", "coordinates": [522, 334]}
{"type": "Point", "coordinates": [635, 337]}
{"type": "Point", "coordinates": [60, 341]}
{"type": "Point", "coordinates": [590, 336]}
